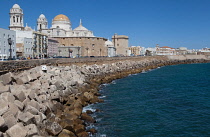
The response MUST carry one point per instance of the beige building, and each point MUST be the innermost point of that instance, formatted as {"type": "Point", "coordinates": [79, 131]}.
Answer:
{"type": "Point", "coordinates": [52, 48]}
{"type": "Point", "coordinates": [121, 44]}
{"type": "Point", "coordinates": [90, 46]}
{"type": "Point", "coordinates": [135, 50]}
{"type": "Point", "coordinates": [69, 51]}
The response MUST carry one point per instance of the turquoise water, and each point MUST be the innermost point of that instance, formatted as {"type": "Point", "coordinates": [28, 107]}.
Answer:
{"type": "Point", "coordinates": [171, 101]}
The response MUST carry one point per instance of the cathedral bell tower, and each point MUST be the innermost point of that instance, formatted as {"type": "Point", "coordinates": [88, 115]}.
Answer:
{"type": "Point", "coordinates": [16, 18]}
{"type": "Point", "coordinates": [41, 23]}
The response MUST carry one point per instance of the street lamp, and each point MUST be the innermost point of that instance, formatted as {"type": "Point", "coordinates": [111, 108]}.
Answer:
{"type": "Point", "coordinates": [10, 49]}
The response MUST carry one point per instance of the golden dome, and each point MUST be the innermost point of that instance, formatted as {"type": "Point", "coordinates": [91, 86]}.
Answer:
{"type": "Point", "coordinates": [61, 17]}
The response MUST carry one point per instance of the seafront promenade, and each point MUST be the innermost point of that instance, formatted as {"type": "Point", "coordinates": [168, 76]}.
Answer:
{"type": "Point", "coordinates": [50, 103]}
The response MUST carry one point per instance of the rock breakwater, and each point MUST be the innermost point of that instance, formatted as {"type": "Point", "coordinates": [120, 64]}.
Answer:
{"type": "Point", "coordinates": [36, 103]}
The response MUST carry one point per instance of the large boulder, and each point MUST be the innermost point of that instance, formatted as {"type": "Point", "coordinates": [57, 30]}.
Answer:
{"type": "Point", "coordinates": [4, 106]}
{"type": "Point", "coordinates": [4, 88]}
{"type": "Point", "coordinates": [32, 130]}
{"type": "Point", "coordinates": [53, 128]}
{"type": "Point", "coordinates": [10, 120]}
{"type": "Point", "coordinates": [26, 117]}
{"type": "Point", "coordinates": [18, 130]}
{"type": "Point", "coordinates": [87, 118]}
{"type": "Point", "coordinates": [6, 78]}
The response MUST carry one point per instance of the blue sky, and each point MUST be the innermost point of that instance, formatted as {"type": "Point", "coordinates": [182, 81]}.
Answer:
{"type": "Point", "coordinates": [174, 23]}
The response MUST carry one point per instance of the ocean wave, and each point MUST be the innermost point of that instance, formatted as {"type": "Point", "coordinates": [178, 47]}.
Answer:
{"type": "Point", "coordinates": [113, 82]}
{"type": "Point", "coordinates": [89, 107]}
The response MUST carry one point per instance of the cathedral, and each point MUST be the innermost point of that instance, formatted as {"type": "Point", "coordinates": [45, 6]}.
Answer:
{"type": "Point", "coordinates": [71, 42]}
{"type": "Point", "coordinates": [61, 27]}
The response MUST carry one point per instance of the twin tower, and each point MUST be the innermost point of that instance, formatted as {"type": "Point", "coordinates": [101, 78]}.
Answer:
{"type": "Point", "coordinates": [16, 19]}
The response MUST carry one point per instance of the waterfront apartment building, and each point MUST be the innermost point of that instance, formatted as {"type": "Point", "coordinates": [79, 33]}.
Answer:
{"type": "Point", "coordinates": [165, 50]}
{"type": "Point", "coordinates": [39, 45]}
{"type": "Point", "coordinates": [7, 47]}
{"type": "Point", "coordinates": [135, 50]}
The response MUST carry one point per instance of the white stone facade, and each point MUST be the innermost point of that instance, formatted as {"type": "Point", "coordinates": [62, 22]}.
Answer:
{"type": "Point", "coordinates": [16, 18]}
{"type": "Point", "coordinates": [61, 27]}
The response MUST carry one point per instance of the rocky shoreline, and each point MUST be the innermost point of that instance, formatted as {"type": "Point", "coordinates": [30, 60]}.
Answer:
{"type": "Point", "coordinates": [50, 103]}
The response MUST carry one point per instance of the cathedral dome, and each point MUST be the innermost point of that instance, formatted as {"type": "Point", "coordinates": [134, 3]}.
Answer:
{"type": "Point", "coordinates": [61, 17]}
{"type": "Point", "coordinates": [16, 6]}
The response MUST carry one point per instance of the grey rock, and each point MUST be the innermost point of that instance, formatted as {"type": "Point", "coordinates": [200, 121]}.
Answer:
{"type": "Point", "coordinates": [53, 128]}
{"type": "Point", "coordinates": [20, 95]}
{"type": "Point", "coordinates": [18, 130]}
{"type": "Point", "coordinates": [10, 120]}
{"type": "Point", "coordinates": [13, 109]}
{"type": "Point", "coordinates": [21, 79]}
{"type": "Point", "coordinates": [19, 104]}
{"type": "Point", "coordinates": [31, 130]}
{"type": "Point", "coordinates": [41, 98]}
{"type": "Point", "coordinates": [6, 78]}
{"type": "Point", "coordinates": [7, 96]}
{"type": "Point", "coordinates": [4, 106]}
{"type": "Point", "coordinates": [26, 117]}
{"type": "Point", "coordinates": [31, 109]}
{"type": "Point", "coordinates": [53, 88]}
{"type": "Point", "coordinates": [55, 95]}
{"type": "Point", "coordinates": [34, 104]}
{"type": "Point", "coordinates": [4, 89]}
{"type": "Point", "coordinates": [2, 122]}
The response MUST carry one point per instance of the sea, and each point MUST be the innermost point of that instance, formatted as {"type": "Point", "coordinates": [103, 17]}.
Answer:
{"type": "Point", "coordinates": [170, 101]}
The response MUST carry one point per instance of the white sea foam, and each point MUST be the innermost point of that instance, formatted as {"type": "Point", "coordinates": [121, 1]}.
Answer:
{"type": "Point", "coordinates": [101, 96]}
{"type": "Point", "coordinates": [113, 82]}
{"type": "Point", "coordinates": [105, 84]}
{"type": "Point", "coordinates": [89, 107]}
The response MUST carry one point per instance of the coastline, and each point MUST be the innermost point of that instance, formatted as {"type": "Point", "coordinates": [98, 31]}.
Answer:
{"type": "Point", "coordinates": [57, 97]}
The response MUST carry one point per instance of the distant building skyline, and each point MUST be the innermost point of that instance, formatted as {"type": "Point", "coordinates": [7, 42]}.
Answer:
{"type": "Point", "coordinates": [175, 23]}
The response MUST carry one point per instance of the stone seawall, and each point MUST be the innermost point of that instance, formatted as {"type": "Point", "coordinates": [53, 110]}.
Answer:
{"type": "Point", "coordinates": [18, 65]}
{"type": "Point", "coordinates": [36, 103]}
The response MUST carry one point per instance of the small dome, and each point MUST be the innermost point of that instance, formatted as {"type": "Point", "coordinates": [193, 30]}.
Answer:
{"type": "Point", "coordinates": [109, 43]}
{"type": "Point", "coordinates": [16, 6]}
{"type": "Point", "coordinates": [42, 16]}
{"type": "Point", "coordinates": [28, 28]}
{"type": "Point", "coordinates": [61, 17]}
{"type": "Point", "coordinates": [80, 27]}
